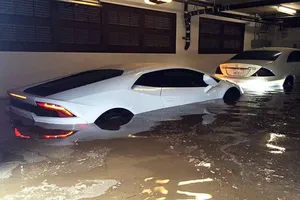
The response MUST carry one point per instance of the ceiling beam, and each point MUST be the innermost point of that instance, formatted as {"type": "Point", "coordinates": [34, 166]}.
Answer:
{"type": "Point", "coordinates": [259, 4]}
{"type": "Point", "coordinates": [252, 4]}
{"type": "Point", "coordinates": [197, 3]}
{"type": "Point", "coordinates": [245, 18]}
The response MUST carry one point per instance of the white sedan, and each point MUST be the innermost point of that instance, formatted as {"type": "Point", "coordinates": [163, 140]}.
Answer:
{"type": "Point", "coordinates": [112, 93]}
{"type": "Point", "coordinates": [263, 68]}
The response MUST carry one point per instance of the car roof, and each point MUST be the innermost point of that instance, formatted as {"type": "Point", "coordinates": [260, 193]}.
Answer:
{"type": "Point", "coordinates": [282, 49]}
{"type": "Point", "coordinates": [145, 67]}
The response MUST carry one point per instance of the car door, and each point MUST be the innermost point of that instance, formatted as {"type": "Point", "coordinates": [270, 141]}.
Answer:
{"type": "Point", "coordinates": [184, 86]}
{"type": "Point", "coordinates": [147, 92]}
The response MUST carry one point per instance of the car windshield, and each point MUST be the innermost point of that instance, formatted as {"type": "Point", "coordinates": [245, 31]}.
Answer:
{"type": "Point", "coordinates": [258, 55]}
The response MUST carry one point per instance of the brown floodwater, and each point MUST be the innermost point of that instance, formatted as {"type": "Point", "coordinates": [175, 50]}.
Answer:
{"type": "Point", "coordinates": [245, 151]}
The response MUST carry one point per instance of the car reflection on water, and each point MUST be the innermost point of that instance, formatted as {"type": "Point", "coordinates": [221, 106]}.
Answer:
{"type": "Point", "coordinates": [130, 127]}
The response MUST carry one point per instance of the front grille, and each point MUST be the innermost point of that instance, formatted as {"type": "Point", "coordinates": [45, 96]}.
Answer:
{"type": "Point", "coordinates": [34, 109]}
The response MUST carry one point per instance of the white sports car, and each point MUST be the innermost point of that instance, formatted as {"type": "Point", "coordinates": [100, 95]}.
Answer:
{"type": "Point", "coordinates": [132, 127]}
{"type": "Point", "coordinates": [262, 68]}
{"type": "Point", "coordinates": [112, 93]}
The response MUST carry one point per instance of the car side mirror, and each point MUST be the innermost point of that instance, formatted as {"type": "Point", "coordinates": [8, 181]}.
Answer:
{"type": "Point", "coordinates": [210, 80]}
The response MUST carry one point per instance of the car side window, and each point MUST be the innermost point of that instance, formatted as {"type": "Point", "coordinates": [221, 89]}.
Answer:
{"type": "Point", "coordinates": [152, 79]}
{"type": "Point", "coordinates": [294, 56]}
{"type": "Point", "coordinates": [183, 78]}
{"type": "Point", "coordinates": [172, 78]}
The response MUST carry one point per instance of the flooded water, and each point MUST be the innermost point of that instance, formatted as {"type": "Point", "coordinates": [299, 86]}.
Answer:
{"type": "Point", "coordinates": [204, 151]}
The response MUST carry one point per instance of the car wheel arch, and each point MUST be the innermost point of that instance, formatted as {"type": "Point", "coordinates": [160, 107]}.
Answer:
{"type": "Point", "coordinates": [289, 83]}
{"type": "Point", "coordinates": [232, 95]}
{"type": "Point", "coordinates": [290, 76]}
{"type": "Point", "coordinates": [116, 110]}
{"type": "Point", "coordinates": [124, 116]}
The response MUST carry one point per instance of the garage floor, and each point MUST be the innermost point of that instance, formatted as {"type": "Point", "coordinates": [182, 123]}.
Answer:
{"type": "Point", "coordinates": [246, 151]}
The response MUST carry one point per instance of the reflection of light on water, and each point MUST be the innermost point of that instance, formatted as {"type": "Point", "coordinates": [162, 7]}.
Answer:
{"type": "Point", "coordinates": [198, 196]}
{"type": "Point", "coordinates": [274, 138]}
{"type": "Point", "coordinates": [271, 146]}
{"type": "Point", "coordinates": [195, 181]}
{"type": "Point", "coordinates": [148, 179]}
{"type": "Point", "coordinates": [134, 136]}
{"type": "Point", "coordinates": [276, 152]}
{"type": "Point", "coordinates": [161, 190]}
{"type": "Point", "coordinates": [161, 198]}
{"type": "Point", "coordinates": [203, 164]}
{"type": "Point", "coordinates": [162, 181]}
{"type": "Point", "coordinates": [148, 191]}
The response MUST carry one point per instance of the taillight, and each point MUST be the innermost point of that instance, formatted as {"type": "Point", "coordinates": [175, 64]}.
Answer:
{"type": "Point", "coordinates": [20, 135]}
{"type": "Point", "coordinates": [218, 71]}
{"type": "Point", "coordinates": [263, 72]}
{"type": "Point", "coordinates": [59, 136]}
{"type": "Point", "coordinates": [61, 111]}
{"type": "Point", "coordinates": [17, 96]}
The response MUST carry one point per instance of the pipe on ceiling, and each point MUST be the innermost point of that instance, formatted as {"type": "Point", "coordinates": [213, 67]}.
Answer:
{"type": "Point", "coordinates": [245, 18]}
{"type": "Point", "coordinates": [216, 10]}
{"type": "Point", "coordinates": [187, 20]}
{"type": "Point", "coordinates": [262, 3]}
{"type": "Point", "coordinates": [197, 3]}
{"type": "Point", "coordinates": [276, 17]}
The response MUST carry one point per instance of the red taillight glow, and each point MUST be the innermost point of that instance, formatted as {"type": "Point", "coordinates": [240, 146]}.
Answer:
{"type": "Point", "coordinates": [17, 96]}
{"type": "Point", "coordinates": [20, 135]}
{"type": "Point", "coordinates": [83, 126]}
{"type": "Point", "coordinates": [62, 112]}
{"type": "Point", "coordinates": [58, 136]}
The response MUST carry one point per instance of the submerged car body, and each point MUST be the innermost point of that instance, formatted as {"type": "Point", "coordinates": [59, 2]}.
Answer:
{"type": "Point", "coordinates": [136, 126]}
{"type": "Point", "coordinates": [108, 92]}
{"type": "Point", "coordinates": [264, 67]}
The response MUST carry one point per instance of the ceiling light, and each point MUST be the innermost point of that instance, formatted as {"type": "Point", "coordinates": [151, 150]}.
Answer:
{"type": "Point", "coordinates": [154, 2]}
{"type": "Point", "coordinates": [286, 10]}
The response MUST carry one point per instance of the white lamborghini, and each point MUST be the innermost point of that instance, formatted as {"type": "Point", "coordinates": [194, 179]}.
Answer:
{"type": "Point", "coordinates": [132, 127]}
{"type": "Point", "coordinates": [115, 92]}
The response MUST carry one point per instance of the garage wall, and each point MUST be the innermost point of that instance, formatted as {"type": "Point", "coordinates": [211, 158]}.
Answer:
{"type": "Point", "coordinates": [21, 68]}
{"type": "Point", "coordinates": [286, 37]}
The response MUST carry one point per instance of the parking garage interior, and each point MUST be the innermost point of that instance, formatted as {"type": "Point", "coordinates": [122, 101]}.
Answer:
{"type": "Point", "coordinates": [207, 150]}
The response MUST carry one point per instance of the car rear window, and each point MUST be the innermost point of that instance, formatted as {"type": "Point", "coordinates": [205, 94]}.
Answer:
{"type": "Point", "coordinates": [73, 81]}
{"type": "Point", "coordinates": [257, 55]}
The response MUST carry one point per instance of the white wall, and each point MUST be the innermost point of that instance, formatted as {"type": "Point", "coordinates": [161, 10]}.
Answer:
{"type": "Point", "coordinates": [285, 38]}
{"type": "Point", "coordinates": [21, 68]}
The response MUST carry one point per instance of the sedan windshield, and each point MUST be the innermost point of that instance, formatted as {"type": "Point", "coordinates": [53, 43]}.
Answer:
{"type": "Point", "coordinates": [257, 55]}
